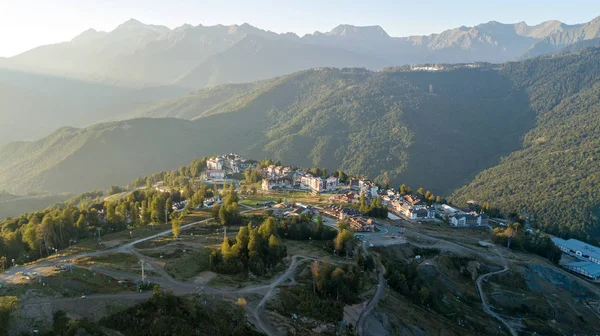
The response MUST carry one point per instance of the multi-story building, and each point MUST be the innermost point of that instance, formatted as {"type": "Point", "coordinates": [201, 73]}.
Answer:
{"type": "Point", "coordinates": [277, 182]}
{"type": "Point", "coordinates": [215, 163]}
{"type": "Point", "coordinates": [469, 219]}
{"type": "Point", "coordinates": [232, 162]}
{"type": "Point", "coordinates": [319, 184]}
{"type": "Point", "coordinates": [215, 174]}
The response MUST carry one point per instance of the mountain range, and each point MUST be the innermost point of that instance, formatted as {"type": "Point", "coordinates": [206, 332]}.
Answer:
{"type": "Point", "coordinates": [107, 107]}
{"type": "Point", "coordinates": [138, 54]}
{"type": "Point", "coordinates": [104, 76]}
{"type": "Point", "coordinates": [520, 135]}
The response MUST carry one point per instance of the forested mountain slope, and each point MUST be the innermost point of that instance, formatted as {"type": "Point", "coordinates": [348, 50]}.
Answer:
{"type": "Point", "coordinates": [440, 129]}
{"type": "Point", "coordinates": [34, 105]}
{"type": "Point", "coordinates": [387, 125]}
{"type": "Point", "coordinates": [556, 175]}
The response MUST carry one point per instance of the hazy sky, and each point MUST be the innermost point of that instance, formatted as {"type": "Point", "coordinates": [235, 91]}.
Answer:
{"type": "Point", "coordinates": [25, 24]}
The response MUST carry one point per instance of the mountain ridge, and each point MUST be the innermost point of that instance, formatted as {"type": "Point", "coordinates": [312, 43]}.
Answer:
{"type": "Point", "coordinates": [139, 54]}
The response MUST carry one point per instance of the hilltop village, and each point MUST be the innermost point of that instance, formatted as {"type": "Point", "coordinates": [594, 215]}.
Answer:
{"type": "Point", "coordinates": [294, 250]}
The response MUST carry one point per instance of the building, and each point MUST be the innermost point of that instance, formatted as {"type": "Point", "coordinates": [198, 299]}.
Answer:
{"type": "Point", "coordinates": [578, 249]}
{"type": "Point", "coordinates": [362, 224]}
{"type": "Point", "coordinates": [348, 197]}
{"type": "Point", "coordinates": [239, 165]}
{"type": "Point", "coordinates": [215, 163]}
{"type": "Point", "coordinates": [585, 268]}
{"type": "Point", "coordinates": [368, 188]}
{"type": "Point", "coordinates": [412, 207]}
{"type": "Point", "coordinates": [319, 184]}
{"type": "Point", "coordinates": [277, 183]}
{"type": "Point", "coordinates": [340, 212]}
{"type": "Point", "coordinates": [232, 162]}
{"type": "Point", "coordinates": [469, 219]}
{"type": "Point", "coordinates": [215, 174]}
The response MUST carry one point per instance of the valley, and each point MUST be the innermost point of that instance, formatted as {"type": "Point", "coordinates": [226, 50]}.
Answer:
{"type": "Point", "coordinates": [430, 178]}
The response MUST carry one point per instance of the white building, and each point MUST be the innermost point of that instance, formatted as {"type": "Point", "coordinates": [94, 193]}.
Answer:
{"type": "Point", "coordinates": [277, 183]}
{"type": "Point", "coordinates": [215, 174]}
{"type": "Point", "coordinates": [319, 184]}
{"type": "Point", "coordinates": [216, 163]}
{"type": "Point", "coordinates": [469, 219]}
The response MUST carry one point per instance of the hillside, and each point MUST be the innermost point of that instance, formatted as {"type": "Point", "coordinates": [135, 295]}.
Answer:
{"type": "Point", "coordinates": [555, 176]}
{"type": "Point", "coordinates": [442, 129]}
{"type": "Point", "coordinates": [564, 38]}
{"type": "Point", "coordinates": [34, 105]}
{"type": "Point", "coordinates": [311, 118]}
{"type": "Point", "coordinates": [255, 58]}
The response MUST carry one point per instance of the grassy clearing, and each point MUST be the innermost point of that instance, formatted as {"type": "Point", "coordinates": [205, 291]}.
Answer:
{"type": "Point", "coordinates": [196, 216]}
{"type": "Point", "coordinates": [119, 261]}
{"type": "Point", "coordinates": [70, 284]}
{"type": "Point", "coordinates": [84, 282]}
{"type": "Point", "coordinates": [253, 199]}
{"type": "Point", "coordinates": [110, 240]}
{"type": "Point", "coordinates": [183, 266]}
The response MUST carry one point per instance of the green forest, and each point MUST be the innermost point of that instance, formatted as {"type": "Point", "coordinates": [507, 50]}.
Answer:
{"type": "Point", "coordinates": [521, 136]}
{"type": "Point", "coordinates": [555, 177]}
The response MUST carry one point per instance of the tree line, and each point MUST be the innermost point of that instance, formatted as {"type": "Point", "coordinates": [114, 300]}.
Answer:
{"type": "Point", "coordinates": [256, 249]}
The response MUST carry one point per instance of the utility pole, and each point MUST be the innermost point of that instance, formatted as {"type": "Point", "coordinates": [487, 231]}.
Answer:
{"type": "Point", "coordinates": [143, 274]}
{"type": "Point", "coordinates": [166, 215]}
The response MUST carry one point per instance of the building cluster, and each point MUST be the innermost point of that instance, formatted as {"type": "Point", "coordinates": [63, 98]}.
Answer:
{"type": "Point", "coordinates": [411, 206]}
{"type": "Point", "coordinates": [588, 257]}
{"type": "Point", "coordinates": [277, 177]}
{"type": "Point", "coordinates": [366, 187]}
{"type": "Point", "coordinates": [356, 188]}
{"type": "Point", "coordinates": [231, 162]}
{"type": "Point", "coordinates": [357, 221]}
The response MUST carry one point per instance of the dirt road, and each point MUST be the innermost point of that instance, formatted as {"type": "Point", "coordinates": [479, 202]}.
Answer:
{"type": "Point", "coordinates": [360, 324]}
{"type": "Point", "coordinates": [485, 303]}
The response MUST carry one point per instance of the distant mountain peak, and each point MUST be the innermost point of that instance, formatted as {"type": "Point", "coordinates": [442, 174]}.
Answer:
{"type": "Point", "coordinates": [88, 35]}
{"type": "Point", "coordinates": [131, 23]}
{"type": "Point", "coordinates": [358, 31]}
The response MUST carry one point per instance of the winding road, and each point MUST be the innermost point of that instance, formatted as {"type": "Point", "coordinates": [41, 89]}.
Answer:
{"type": "Point", "coordinates": [360, 324]}
{"type": "Point", "coordinates": [484, 300]}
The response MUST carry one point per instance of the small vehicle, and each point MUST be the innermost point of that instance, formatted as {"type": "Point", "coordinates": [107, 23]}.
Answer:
{"type": "Point", "coordinates": [371, 245]}
{"type": "Point", "coordinates": [83, 297]}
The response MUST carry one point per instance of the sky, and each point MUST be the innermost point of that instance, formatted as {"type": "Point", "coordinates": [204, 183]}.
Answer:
{"type": "Point", "coordinates": [25, 24]}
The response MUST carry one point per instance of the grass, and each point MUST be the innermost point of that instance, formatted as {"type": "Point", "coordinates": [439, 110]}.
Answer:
{"type": "Point", "coordinates": [253, 199]}
{"type": "Point", "coordinates": [70, 284]}
{"type": "Point", "coordinates": [188, 264]}
{"type": "Point", "coordinates": [119, 261]}
{"type": "Point", "coordinates": [110, 240]}
{"type": "Point", "coordinates": [81, 281]}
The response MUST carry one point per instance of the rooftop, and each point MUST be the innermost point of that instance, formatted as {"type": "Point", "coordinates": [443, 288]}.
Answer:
{"type": "Point", "coordinates": [588, 266]}
{"type": "Point", "coordinates": [577, 245]}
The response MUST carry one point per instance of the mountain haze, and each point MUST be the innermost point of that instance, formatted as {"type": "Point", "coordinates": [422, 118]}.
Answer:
{"type": "Point", "coordinates": [34, 105]}
{"type": "Point", "coordinates": [138, 54]}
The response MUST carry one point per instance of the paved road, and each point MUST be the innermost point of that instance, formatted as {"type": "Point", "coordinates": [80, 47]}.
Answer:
{"type": "Point", "coordinates": [485, 303]}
